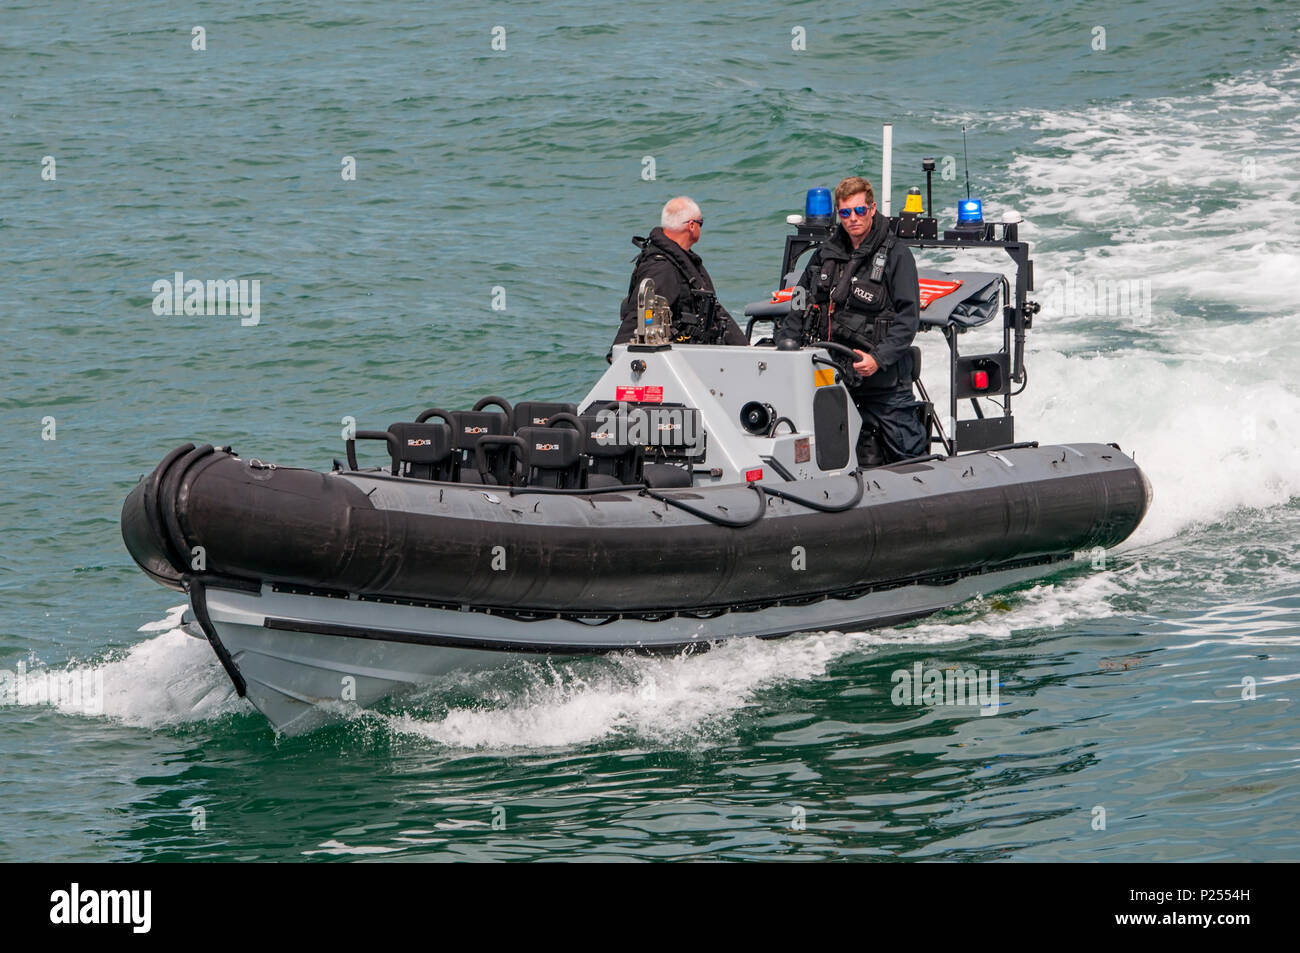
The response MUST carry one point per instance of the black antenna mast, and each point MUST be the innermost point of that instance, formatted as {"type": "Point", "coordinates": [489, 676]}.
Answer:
{"type": "Point", "coordinates": [966, 157]}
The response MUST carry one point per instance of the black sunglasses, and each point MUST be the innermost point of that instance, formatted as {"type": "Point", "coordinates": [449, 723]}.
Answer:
{"type": "Point", "coordinates": [697, 221]}
{"type": "Point", "coordinates": [860, 209]}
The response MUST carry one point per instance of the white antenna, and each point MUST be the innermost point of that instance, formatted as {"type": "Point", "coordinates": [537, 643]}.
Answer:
{"type": "Point", "coordinates": [886, 165]}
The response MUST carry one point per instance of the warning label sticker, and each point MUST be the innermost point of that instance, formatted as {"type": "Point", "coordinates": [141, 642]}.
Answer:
{"type": "Point", "coordinates": [640, 395]}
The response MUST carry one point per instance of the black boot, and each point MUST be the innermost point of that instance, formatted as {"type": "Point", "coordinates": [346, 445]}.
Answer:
{"type": "Point", "coordinates": [871, 452]}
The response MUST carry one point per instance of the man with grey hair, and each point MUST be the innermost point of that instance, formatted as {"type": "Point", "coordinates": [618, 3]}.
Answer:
{"type": "Point", "coordinates": [679, 277]}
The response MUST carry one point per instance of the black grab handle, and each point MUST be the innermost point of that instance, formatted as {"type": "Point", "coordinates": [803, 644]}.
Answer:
{"type": "Point", "coordinates": [394, 447]}
{"type": "Point", "coordinates": [435, 412]}
{"type": "Point", "coordinates": [498, 401]}
{"type": "Point", "coordinates": [572, 421]}
{"type": "Point", "coordinates": [496, 440]}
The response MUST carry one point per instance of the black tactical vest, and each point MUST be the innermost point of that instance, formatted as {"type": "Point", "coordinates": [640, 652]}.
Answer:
{"type": "Point", "coordinates": [862, 306]}
{"type": "Point", "coordinates": [694, 308]}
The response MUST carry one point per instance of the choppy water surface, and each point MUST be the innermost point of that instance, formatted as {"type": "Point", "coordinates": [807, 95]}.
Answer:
{"type": "Point", "coordinates": [1158, 688]}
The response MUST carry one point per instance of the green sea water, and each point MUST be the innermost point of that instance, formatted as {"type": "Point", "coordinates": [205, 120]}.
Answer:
{"type": "Point", "coordinates": [1159, 687]}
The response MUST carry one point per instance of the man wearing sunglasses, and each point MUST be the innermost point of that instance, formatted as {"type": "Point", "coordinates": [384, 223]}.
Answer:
{"type": "Point", "coordinates": [862, 292]}
{"type": "Point", "coordinates": [679, 276]}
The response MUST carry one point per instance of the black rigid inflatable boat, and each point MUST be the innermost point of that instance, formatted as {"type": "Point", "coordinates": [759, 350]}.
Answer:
{"type": "Point", "coordinates": [697, 493]}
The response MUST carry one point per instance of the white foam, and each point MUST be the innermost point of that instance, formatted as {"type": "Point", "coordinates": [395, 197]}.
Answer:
{"type": "Point", "coordinates": [691, 700]}
{"type": "Point", "coordinates": [339, 849]}
{"type": "Point", "coordinates": [173, 678]}
{"type": "Point", "coordinates": [681, 698]}
{"type": "Point", "coordinates": [1043, 606]}
{"type": "Point", "coordinates": [1210, 442]}
{"type": "Point", "coordinates": [170, 679]}
{"type": "Point", "coordinates": [172, 620]}
{"type": "Point", "coordinates": [1196, 195]}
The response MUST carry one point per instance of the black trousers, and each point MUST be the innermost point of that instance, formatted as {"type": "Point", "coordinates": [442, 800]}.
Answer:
{"type": "Point", "coordinates": [891, 425]}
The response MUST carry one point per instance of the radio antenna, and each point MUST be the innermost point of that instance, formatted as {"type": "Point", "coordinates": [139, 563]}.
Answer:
{"type": "Point", "coordinates": [966, 157]}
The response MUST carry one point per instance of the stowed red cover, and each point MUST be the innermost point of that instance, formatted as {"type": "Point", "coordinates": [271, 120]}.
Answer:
{"type": "Point", "coordinates": [932, 289]}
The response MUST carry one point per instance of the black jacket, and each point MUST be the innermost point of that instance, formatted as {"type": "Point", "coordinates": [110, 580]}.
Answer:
{"type": "Point", "coordinates": [838, 271]}
{"type": "Point", "coordinates": [675, 271]}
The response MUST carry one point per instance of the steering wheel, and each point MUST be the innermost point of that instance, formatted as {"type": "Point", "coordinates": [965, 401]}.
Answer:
{"type": "Point", "coordinates": [847, 358]}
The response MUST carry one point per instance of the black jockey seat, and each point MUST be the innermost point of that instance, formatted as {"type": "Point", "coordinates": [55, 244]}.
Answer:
{"type": "Point", "coordinates": [663, 437]}
{"type": "Point", "coordinates": [471, 425]}
{"type": "Point", "coordinates": [496, 461]}
{"type": "Point", "coordinates": [925, 406]}
{"type": "Point", "coordinates": [672, 434]}
{"type": "Point", "coordinates": [537, 413]}
{"type": "Point", "coordinates": [612, 463]}
{"type": "Point", "coordinates": [548, 457]}
{"type": "Point", "coordinates": [665, 475]}
{"type": "Point", "coordinates": [552, 456]}
{"type": "Point", "coordinates": [424, 451]}
{"type": "Point", "coordinates": [672, 431]}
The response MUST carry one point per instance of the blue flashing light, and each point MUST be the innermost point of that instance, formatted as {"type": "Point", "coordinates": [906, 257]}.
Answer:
{"type": "Point", "coordinates": [970, 212]}
{"type": "Point", "coordinates": [817, 204]}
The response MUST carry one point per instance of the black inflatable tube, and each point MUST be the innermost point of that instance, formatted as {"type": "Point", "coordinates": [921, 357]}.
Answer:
{"type": "Point", "coordinates": [152, 510]}
{"type": "Point", "coordinates": [713, 517]}
{"type": "Point", "coordinates": [601, 553]}
{"type": "Point", "coordinates": [820, 507]}
{"type": "Point", "coordinates": [586, 491]}
{"type": "Point", "coordinates": [145, 543]}
{"type": "Point", "coordinates": [168, 495]}
{"type": "Point", "coordinates": [925, 458]}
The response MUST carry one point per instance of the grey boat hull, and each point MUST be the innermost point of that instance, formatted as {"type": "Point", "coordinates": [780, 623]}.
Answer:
{"type": "Point", "coordinates": [305, 659]}
{"type": "Point", "coordinates": [323, 590]}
